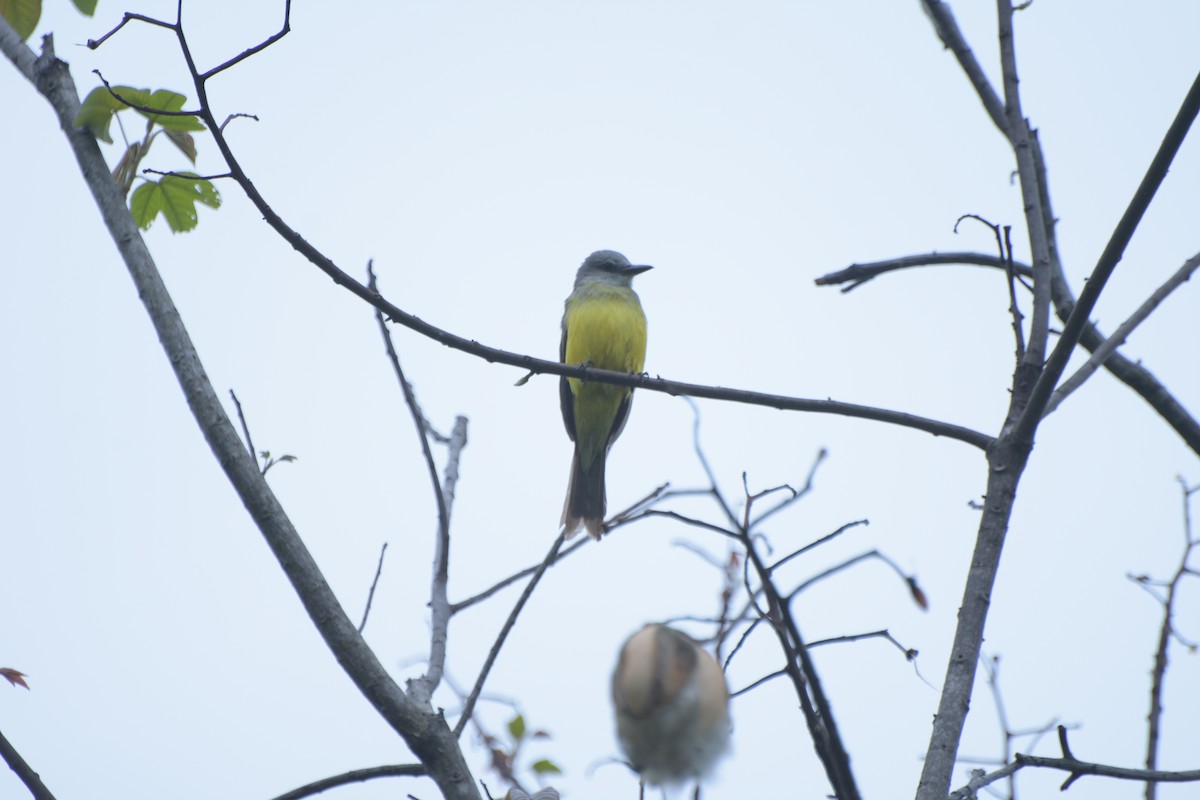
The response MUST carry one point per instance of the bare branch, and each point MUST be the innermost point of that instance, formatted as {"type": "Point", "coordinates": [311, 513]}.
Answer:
{"type": "Point", "coordinates": [440, 610]}
{"type": "Point", "coordinates": [245, 428]}
{"type": "Point", "coordinates": [469, 705]}
{"type": "Point", "coordinates": [1158, 674]}
{"type": "Point", "coordinates": [92, 44]}
{"type": "Point", "coordinates": [779, 673]}
{"type": "Point", "coordinates": [1003, 237]}
{"type": "Point", "coordinates": [529, 363]}
{"type": "Point", "coordinates": [1131, 373]}
{"type": "Point", "coordinates": [354, 776]}
{"type": "Point", "coordinates": [374, 583]}
{"type": "Point", "coordinates": [617, 520]}
{"type": "Point", "coordinates": [283, 31]}
{"type": "Point", "coordinates": [26, 773]}
{"type": "Point", "coordinates": [1113, 251]}
{"type": "Point", "coordinates": [1076, 769]}
{"type": "Point", "coordinates": [827, 537]}
{"type": "Point", "coordinates": [797, 494]}
{"type": "Point", "coordinates": [910, 653]}
{"type": "Point", "coordinates": [162, 112]}
{"type": "Point", "coordinates": [1101, 353]}
{"type": "Point", "coordinates": [947, 30]}
{"type": "Point", "coordinates": [1019, 135]}
{"type": "Point", "coordinates": [856, 275]}
{"type": "Point", "coordinates": [422, 729]}
{"type": "Point", "coordinates": [847, 564]}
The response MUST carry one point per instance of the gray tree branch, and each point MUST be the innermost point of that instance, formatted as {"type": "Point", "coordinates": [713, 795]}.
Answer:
{"type": "Point", "coordinates": [1131, 373]}
{"type": "Point", "coordinates": [26, 773]}
{"type": "Point", "coordinates": [424, 730]}
{"type": "Point", "coordinates": [1102, 353]}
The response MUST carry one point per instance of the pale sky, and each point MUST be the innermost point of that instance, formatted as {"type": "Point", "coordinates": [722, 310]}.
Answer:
{"type": "Point", "coordinates": [478, 152]}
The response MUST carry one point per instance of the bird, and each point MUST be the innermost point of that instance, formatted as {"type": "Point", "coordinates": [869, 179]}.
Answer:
{"type": "Point", "coordinates": [671, 704]}
{"type": "Point", "coordinates": [603, 326]}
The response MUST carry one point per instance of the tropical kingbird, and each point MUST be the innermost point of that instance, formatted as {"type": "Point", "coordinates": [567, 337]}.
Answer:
{"type": "Point", "coordinates": [603, 327]}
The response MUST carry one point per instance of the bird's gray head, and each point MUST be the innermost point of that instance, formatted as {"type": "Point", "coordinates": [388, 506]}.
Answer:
{"type": "Point", "coordinates": [608, 266]}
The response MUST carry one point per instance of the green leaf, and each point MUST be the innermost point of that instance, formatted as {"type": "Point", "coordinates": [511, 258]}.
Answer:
{"type": "Point", "coordinates": [516, 728]}
{"type": "Point", "coordinates": [23, 15]}
{"type": "Point", "coordinates": [166, 100]}
{"type": "Point", "coordinates": [184, 142]}
{"type": "Point", "coordinates": [99, 106]}
{"type": "Point", "coordinates": [86, 7]}
{"type": "Point", "coordinates": [546, 767]}
{"type": "Point", "coordinates": [175, 197]}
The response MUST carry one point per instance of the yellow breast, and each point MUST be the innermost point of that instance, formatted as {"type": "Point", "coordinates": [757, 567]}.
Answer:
{"type": "Point", "coordinates": [606, 327]}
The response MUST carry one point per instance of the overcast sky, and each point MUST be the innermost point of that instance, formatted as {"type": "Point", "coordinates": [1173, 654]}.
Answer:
{"type": "Point", "coordinates": [478, 152]}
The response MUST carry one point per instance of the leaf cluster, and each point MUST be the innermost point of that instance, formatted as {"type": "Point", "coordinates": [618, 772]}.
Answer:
{"type": "Point", "coordinates": [175, 194]}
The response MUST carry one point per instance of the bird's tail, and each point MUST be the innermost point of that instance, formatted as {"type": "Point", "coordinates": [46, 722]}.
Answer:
{"type": "Point", "coordinates": [585, 498]}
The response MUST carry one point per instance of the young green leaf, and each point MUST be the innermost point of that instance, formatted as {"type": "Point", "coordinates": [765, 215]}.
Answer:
{"type": "Point", "coordinates": [175, 197]}
{"type": "Point", "coordinates": [516, 728]}
{"type": "Point", "coordinates": [100, 105]}
{"type": "Point", "coordinates": [23, 15]}
{"type": "Point", "coordinates": [166, 100]}
{"type": "Point", "coordinates": [86, 7]}
{"type": "Point", "coordinates": [546, 767]}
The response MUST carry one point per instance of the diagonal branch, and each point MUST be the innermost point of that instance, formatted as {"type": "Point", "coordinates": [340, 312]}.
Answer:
{"type": "Point", "coordinates": [1102, 353]}
{"type": "Point", "coordinates": [1076, 769]}
{"type": "Point", "coordinates": [397, 315]}
{"type": "Point", "coordinates": [26, 773]}
{"type": "Point", "coordinates": [439, 605]}
{"type": "Point", "coordinates": [423, 730]}
{"type": "Point", "coordinates": [1113, 251]}
{"type": "Point", "coordinates": [1031, 193]}
{"type": "Point", "coordinates": [1158, 674]}
{"type": "Point", "coordinates": [947, 30]}
{"type": "Point", "coordinates": [1131, 373]}
{"type": "Point", "coordinates": [353, 776]}
{"type": "Point", "coordinates": [473, 697]}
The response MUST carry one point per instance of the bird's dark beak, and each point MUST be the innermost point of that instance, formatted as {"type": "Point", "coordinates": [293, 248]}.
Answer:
{"type": "Point", "coordinates": [637, 269]}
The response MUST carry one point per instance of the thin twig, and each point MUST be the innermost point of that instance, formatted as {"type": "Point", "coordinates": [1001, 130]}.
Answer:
{"type": "Point", "coordinates": [1118, 337]}
{"type": "Point", "coordinates": [287, 27]}
{"type": "Point", "coordinates": [856, 275]}
{"type": "Point", "coordinates": [374, 583]}
{"type": "Point", "coordinates": [1131, 373]}
{"type": "Point", "coordinates": [823, 574]}
{"type": "Point", "coordinates": [423, 730]}
{"type": "Point", "coordinates": [779, 673]}
{"type": "Point", "coordinates": [797, 494]}
{"type": "Point", "coordinates": [1070, 764]}
{"type": "Point", "coordinates": [511, 579]}
{"type": "Point", "coordinates": [1019, 136]}
{"type": "Point", "coordinates": [528, 363]}
{"type": "Point", "coordinates": [1156, 173]}
{"type": "Point", "coordinates": [469, 706]}
{"type": "Point", "coordinates": [26, 773]}
{"type": "Point", "coordinates": [827, 537]}
{"type": "Point", "coordinates": [245, 428]}
{"type": "Point", "coordinates": [947, 30]}
{"type": "Point", "coordinates": [991, 665]}
{"type": "Point", "coordinates": [713, 486]}
{"type": "Point", "coordinates": [1158, 674]}
{"type": "Point", "coordinates": [1014, 307]}
{"type": "Point", "coordinates": [92, 44]}
{"type": "Point", "coordinates": [354, 776]}
{"type": "Point", "coordinates": [439, 605]}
